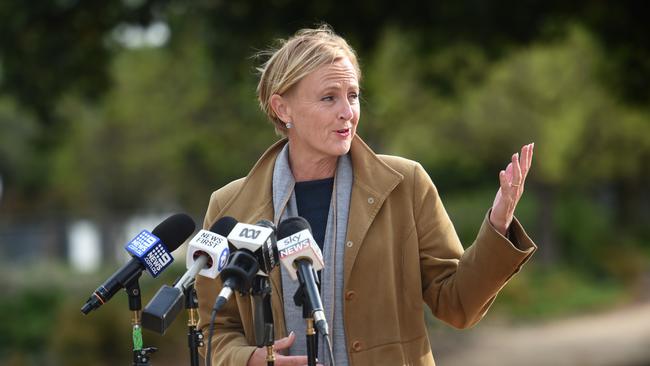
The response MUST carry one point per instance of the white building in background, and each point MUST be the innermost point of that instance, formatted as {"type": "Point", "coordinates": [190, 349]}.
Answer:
{"type": "Point", "coordinates": [84, 246]}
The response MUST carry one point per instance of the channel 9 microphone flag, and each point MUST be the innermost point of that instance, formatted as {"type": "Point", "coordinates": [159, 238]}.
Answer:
{"type": "Point", "coordinates": [150, 251]}
{"type": "Point", "coordinates": [207, 255]}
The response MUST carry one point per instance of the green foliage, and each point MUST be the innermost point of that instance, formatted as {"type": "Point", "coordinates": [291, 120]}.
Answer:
{"type": "Point", "coordinates": [16, 130]}
{"type": "Point", "coordinates": [173, 129]}
{"type": "Point", "coordinates": [100, 338]}
{"type": "Point", "coordinates": [103, 337]}
{"type": "Point", "coordinates": [168, 129]}
{"type": "Point", "coordinates": [408, 117]}
{"type": "Point", "coordinates": [51, 48]}
{"type": "Point", "coordinates": [587, 228]}
{"type": "Point", "coordinates": [42, 324]}
{"type": "Point", "coordinates": [536, 294]}
{"type": "Point", "coordinates": [551, 94]}
{"type": "Point", "coordinates": [25, 320]}
{"type": "Point", "coordinates": [467, 210]}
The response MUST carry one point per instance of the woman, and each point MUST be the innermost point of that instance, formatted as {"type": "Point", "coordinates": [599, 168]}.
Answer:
{"type": "Point", "coordinates": [388, 244]}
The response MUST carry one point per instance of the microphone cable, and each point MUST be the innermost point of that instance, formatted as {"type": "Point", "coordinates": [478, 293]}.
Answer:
{"type": "Point", "coordinates": [328, 346]}
{"type": "Point", "coordinates": [217, 306]}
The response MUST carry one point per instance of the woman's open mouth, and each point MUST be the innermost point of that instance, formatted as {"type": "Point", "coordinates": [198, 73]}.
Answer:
{"type": "Point", "coordinates": [345, 132]}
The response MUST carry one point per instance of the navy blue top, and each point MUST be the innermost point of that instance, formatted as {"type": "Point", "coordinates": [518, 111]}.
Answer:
{"type": "Point", "coordinates": [313, 200]}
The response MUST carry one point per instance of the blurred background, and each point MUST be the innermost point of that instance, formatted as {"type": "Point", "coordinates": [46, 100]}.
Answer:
{"type": "Point", "coordinates": [114, 114]}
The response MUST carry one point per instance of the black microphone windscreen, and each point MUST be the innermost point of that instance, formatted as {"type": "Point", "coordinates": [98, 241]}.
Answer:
{"type": "Point", "coordinates": [174, 230]}
{"type": "Point", "coordinates": [224, 225]}
{"type": "Point", "coordinates": [292, 225]}
{"type": "Point", "coordinates": [266, 223]}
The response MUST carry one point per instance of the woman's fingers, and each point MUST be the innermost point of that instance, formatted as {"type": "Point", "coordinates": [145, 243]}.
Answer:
{"type": "Point", "coordinates": [516, 171]}
{"type": "Point", "coordinates": [290, 360]}
{"type": "Point", "coordinates": [530, 155]}
{"type": "Point", "coordinates": [526, 159]}
{"type": "Point", "coordinates": [503, 180]}
{"type": "Point", "coordinates": [285, 342]}
{"type": "Point", "coordinates": [523, 161]}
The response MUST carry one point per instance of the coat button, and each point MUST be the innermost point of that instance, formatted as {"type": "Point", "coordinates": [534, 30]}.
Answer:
{"type": "Point", "coordinates": [350, 295]}
{"type": "Point", "coordinates": [356, 346]}
{"type": "Point", "coordinates": [371, 200]}
{"type": "Point", "coordinates": [349, 244]}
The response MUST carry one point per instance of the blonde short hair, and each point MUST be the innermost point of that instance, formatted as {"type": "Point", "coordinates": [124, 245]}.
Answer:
{"type": "Point", "coordinates": [294, 59]}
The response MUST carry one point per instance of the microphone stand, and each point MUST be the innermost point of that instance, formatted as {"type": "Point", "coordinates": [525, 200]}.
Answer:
{"type": "Point", "coordinates": [261, 292]}
{"type": "Point", "coordinates": [140, 354]}
{"type": "Point", "coordinates": [194, 336]}
{"type": "Point", "coordinates": [299, 298]}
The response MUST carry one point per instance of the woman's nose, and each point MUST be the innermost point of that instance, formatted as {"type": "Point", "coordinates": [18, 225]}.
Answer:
{"type": "Point", "coordinates": [346, 112]}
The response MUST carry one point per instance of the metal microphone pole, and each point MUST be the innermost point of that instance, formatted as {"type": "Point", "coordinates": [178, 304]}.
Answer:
{"type": "Point", "coordinates": [140, 354]}
{"type": "Point", "coordinates": [194, 336]}
{"type": "Point", "coordinates": [310, 334]}
{"type": "Point", "coordinates": [269, 338]}
{"type": "Point", "coordinates": [264, 337]}
{"type": "Point", "coordinates": [186, 283]}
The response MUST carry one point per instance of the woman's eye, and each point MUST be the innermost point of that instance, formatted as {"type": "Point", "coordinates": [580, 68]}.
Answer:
{"type": "Point", "coordinates": [354, 95]}
{"type": "Point", "coordinates": [328, 98]}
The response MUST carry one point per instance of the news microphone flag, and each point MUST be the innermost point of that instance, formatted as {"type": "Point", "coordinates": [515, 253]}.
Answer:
{"type": "Point", "coordinates": [213, 245]}
{"type": "Point", "coordinates": [250, 237]}
{"type": "Point", "coordinates": [151, 252]}
{"type": "Point", "coordinates": [207, 253]}
{"type": "Point", "coordinates": [299, 245]}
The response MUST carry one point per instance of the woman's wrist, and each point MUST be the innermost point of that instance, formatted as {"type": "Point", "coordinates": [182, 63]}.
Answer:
{"type": "Point", "coordinates": [501, 227]}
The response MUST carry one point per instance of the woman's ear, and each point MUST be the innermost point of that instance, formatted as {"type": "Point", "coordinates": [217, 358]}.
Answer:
{"type": "Point", "coordinates": [280, 107]}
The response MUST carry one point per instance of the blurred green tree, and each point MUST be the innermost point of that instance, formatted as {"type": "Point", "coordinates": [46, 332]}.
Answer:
{"type": "Point", "coordinates": [168, 134]}
{"type": "Point", "coordinates": [549, 93]}
{"type": "Point", "coordinates": [53, 51]}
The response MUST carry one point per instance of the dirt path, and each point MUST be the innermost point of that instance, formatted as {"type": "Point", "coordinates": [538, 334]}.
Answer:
{"type": "Point", "coordinates": [617, 338]}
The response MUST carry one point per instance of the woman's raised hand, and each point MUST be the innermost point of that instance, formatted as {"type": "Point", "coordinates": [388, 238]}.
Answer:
{"type": "Point", "coordinates": [511, 188]}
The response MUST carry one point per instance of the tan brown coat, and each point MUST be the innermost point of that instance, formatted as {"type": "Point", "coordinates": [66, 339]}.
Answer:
{"type": "Point", "coordinates": [401, 251]}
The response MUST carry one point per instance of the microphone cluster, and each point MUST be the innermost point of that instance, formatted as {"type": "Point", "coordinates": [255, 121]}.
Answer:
{"type": "Point", "coordinates": [239, 253]}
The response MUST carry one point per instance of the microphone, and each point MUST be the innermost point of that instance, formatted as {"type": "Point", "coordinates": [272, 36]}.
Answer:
{"type": "Point", "coordinates": [268, 259]}
{"type": "Point", "coordinates": [208, 251]}
{"type": "Point", "coordinates": [265, 242]}
{"type": "Point", "coordinates": [255, 252]}
{"type": "Point", "coordinates": [207, 255]}
{"type": "Point", "coordinates": [150, 251]}
{"type": "Point", "coordinates": [302, 257]}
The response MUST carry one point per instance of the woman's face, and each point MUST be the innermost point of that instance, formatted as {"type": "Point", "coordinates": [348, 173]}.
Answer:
{"type": "Point", "coordinates": [324, 109]}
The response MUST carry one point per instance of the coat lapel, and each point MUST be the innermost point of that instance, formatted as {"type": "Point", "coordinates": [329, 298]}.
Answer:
{"type": "Point", "coordinates": [373, 182]}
